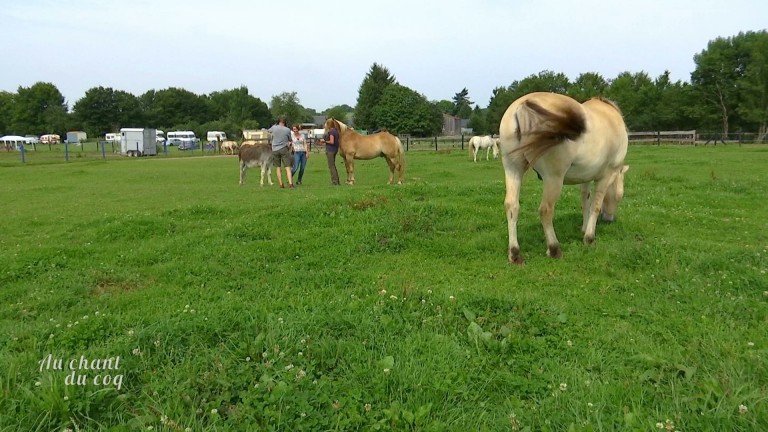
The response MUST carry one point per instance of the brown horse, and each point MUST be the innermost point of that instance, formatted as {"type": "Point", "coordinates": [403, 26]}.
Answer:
{"type": "Point", "coordinates": [353, 145]}
{"type": "Point", "coordinates": [565, 142]}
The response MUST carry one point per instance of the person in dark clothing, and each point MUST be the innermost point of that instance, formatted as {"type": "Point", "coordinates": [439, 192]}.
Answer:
{"type": "Point", "coordinates": [331, 149]}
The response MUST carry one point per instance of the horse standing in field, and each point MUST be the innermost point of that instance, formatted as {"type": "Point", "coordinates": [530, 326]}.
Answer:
{"type": "Point", "coordinates": [566, 143]}
{"type": "Point", "coordinates": [476, 143]}
{"type": "Point", "coordinates": [353, 145]}
{"type": "Point", "coordinates": [229, 147]}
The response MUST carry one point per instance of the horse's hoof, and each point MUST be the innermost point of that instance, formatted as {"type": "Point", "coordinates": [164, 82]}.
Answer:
{"type": "Point", "coordinates": [554, 251]}
{"type": "Point", "coordinates": [519, 261]}
{"type": "Point", "coordinates": [588, 240]}
{"type": "Point", "coordinates": [515, 257]}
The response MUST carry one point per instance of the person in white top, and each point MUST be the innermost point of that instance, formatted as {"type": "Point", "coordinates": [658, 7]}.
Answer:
{"type": "Point", "coordinates": [300, 153]}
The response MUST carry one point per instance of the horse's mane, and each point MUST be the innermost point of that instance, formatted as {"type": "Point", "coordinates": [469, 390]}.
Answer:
{"type": "Point", "coordinates": [341, 126]}
{"type": "Point", "coordinates": [338, 125]}
{"type": "Point", "coordinates": [609, 102]}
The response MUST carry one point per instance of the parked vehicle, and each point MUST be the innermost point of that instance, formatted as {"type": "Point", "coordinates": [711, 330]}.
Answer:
{"type": "Point", "coordinates": [138, 142]}
{"type": "Point", "coordinates": [113, 137]}
{"type": "Point", "coordinates": [184, 140]}
{"type": "Point", "coordinates": [50, 139]}
{"type": "Point", "coordinates": [214, 136]}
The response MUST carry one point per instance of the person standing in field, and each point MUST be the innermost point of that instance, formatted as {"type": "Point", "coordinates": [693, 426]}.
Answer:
{"type": "Point", "coordinates": [331, 139]}
{"type": "Point", "coordinates": [300, 154]}
{"type": "Point", "coordinates": [281, 151]}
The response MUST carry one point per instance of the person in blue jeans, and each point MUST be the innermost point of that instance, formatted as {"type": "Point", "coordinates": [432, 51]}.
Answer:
{"type": "Point", "coordinates": [300, 154]}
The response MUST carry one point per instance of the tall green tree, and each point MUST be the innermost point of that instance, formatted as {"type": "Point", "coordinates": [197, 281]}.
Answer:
{"type": "Point", "coordinates": [445, 106]}
{"type": "Point", "coordinates": [103, 110]}
{"type": "Point", "coordinates": [719, 70]}
{"type": "Point", "coordinates": [6, 108]}
{"type": "Point", "coordinates": [340, 112]}
{"type": "Point", "coordinates": [637, 96]}
{"type": "Point", "coordinates": [477, 122]}
{"type": "Point", "coordinates": [236, 106]}
{"type": "Point", "coordinates": [544, 81]}
{"type": "Point", "coordinates": [753, 85]}
{"type": "Point", "coordinates": [402, 110]}
{"type": "Point", "coordinates": [370, 93]}
{"type": "Point", "coordinates": [130, 112]}
{"type": "Point", "coordinates": [587, 86]}
{"type": "Point", "coordinates": [502, 98]}
{"type": "Point", "coordinates": [97, 111]}
{"type": "Point", "coordinates": [39, 109]}
{"type": "Point", "coordinates": [174, 106]}
{"type": "Point", "coordinates": [288, 104]}
{"type": "Point", "coordinates": [673, 104]}
{"type": "Point", "coordinates": [462, 106]}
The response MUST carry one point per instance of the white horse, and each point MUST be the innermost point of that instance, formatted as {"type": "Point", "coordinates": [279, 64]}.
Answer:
{"type": "Point", "coordinates": [566, 143]}
{"type": "Point", "coordinates": [483, 142]}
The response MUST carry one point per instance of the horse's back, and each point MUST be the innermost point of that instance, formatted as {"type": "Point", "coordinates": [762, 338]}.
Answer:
{"type": "Point", "coordinates": [370, 146]}
{"type": "Point", "coordinates": [606, 132]}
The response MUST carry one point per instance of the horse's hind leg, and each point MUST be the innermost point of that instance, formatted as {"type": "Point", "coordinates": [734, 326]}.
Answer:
{"type": "Point", "coordinates": [392, 166]}
{"type": "Point", "coordinates": [349, 163]}
{"type": "Point", "coordinates": [513, 176]}
{"type": "Point", "coordinates": [552, 188]}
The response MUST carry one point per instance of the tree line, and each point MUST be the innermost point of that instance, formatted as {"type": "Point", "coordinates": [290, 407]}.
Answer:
{"type": "Point", "coordinates": [728, 92]}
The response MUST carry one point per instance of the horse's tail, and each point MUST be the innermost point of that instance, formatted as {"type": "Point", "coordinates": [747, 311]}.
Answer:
{"type": "Point", "coordinates": [400, 159]}
{"type": "Point", "coordinates": [540, 129]}
{"type": "Point", "coordinates": [469, 147]}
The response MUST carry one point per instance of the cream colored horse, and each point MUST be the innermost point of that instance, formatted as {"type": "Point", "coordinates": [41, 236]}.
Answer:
{"type": "Point", "coordinates": [353, 145]}
{"type": "Point", "coordinates": [229, 147]}
{"type": "Point", "coordinates": [566, 143]}
{"type": "Point", "coordinates": [476, 143]}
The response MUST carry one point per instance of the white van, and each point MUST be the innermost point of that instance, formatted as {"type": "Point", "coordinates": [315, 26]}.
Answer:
{"type": "Point", "coordinates": [214, 136]}
{"type": "Point", "coordinates": [160, 136]}
{"type": "Point", "coordinates": [183, 139]}
{"type": "Point", "coordinates": [114, 137]}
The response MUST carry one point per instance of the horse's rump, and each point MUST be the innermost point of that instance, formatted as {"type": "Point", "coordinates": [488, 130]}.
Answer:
{"type": "Point", "coordinates": [541, 128]}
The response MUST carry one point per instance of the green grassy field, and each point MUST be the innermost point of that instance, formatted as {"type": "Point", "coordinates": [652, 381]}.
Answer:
{"type": "Point", "coordinates": [380, 307]}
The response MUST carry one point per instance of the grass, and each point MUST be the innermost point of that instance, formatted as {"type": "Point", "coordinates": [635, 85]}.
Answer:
{"type": "Point", "coordinates": [380, 307]}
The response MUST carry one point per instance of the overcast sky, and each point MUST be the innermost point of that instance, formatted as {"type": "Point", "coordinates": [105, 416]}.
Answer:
{"type": "Point", "coordinates": [322, 49]}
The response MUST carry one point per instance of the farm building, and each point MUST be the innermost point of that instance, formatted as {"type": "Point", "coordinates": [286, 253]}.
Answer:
{"type": "Point", "coordinates": [453, 125]}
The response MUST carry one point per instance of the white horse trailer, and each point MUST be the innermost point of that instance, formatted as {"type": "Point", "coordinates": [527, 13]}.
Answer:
{"type": "Point", "coordinates": [138, 142]}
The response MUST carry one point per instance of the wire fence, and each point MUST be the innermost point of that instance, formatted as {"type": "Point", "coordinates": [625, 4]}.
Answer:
{"type": "Point", "coordinates": [94, 150]}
